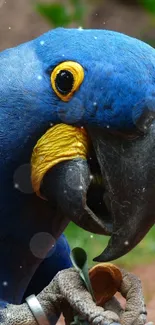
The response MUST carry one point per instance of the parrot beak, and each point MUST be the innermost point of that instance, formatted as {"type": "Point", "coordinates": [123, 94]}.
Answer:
{"type": "Point", "coordinates": [121, 202]}
{"type": "Point", "coordinates": [66, 186]}
{"type": "Point", "coordinates": [128, 169]}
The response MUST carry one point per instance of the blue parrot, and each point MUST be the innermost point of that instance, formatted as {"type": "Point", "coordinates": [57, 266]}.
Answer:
{"type": "Point", "coordinates": [115, 104]}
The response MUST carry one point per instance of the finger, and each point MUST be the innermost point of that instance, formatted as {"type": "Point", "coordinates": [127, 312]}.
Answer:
{"type": "Point", "coordinates": [68, 313]}
{"type": "Point", "coordinates": [73, 290]}
{"type": "Point", "coordinates": [114, 305]}
{"type": "Point", "coordinates": [131, 289]}
{"type": "Point", "coordinates": [128, 320]}
{"type": "Point", "coordinates": [141, 320]}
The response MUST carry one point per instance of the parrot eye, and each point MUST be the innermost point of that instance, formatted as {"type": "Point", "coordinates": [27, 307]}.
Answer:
{"type": "Point", "coordinates": [64, 82]}
{"type": "Point", "coordinates": [66, 78]}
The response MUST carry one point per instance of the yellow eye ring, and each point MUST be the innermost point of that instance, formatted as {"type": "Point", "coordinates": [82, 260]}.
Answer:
{"type": "Point", "coordinates": [66, 78]}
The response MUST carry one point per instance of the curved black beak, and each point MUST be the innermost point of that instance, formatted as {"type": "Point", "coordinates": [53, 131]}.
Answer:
{"type": "Point", "coordinates": [128, 170]}
{"type": "Point", "coordinates": [127, 166]}
{"type": "Point", "coordinates": [65, 185]}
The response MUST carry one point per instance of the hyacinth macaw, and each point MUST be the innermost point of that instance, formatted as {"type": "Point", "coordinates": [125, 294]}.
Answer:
{"type": "Point", "coordinates": [115, 103]}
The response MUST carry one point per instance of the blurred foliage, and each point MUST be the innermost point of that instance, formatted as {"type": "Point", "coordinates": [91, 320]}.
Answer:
{"type": "Point", "coordinates": [151, 42]}
{"type": "Point", "coordinates": [94, 244]}
{"type": "Point", "coordinates": [59, 14]}
{"type": "Point", "coordinates": [149, 5]}
{"type": "Point", "coordinates": [63, 14]}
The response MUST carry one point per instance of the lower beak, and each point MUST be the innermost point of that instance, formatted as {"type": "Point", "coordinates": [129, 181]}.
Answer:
{"type": "Point", "coordinates": [128, 171]}
{"type": "Point", "coordinates": [66, 185]}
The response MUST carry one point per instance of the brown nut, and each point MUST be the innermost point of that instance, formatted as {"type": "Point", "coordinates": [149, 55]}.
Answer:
{"type": "Point", "coordinates": [105, 279]}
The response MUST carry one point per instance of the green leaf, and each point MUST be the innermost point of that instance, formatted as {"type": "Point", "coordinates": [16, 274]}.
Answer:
{"type": "Point", "coordinates": [149, 5]}
{"type": "Point", "coordinates": [78, 320]}
{"type": "Point", "coordinates": [79, 10]}
{"type": "Point", "coordinates": [79, 260]}
{"type": "Point", "coordinates": [55, 13]}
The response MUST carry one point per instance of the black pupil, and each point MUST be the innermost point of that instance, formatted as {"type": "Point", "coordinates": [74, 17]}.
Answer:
{"type": "Point", "coordinates": [64, 82]}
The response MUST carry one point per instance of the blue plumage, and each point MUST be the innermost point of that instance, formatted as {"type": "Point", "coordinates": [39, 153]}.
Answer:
{"type": "Point", "coordinates": [118, 87]}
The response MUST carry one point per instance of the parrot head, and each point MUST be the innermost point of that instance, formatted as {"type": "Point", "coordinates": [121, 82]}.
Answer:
{"type": "Point", "coordinates": [104, 82]}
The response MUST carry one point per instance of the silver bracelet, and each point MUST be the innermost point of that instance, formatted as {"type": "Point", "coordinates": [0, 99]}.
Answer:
{"type": "Point", "coordinates": [37, 310]}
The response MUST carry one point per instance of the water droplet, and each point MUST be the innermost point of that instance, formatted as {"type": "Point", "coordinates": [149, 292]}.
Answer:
{"type": "Point", "coordinates": [95, 37]}
{"type": "Point", "coordinates": [16, 185]}
{"type": "Point", "coordinates": [95, 104]}
{"type": "Point", "coordinates": [80, 28]}
{"type": "Point", "coordinates": [5, 283]}
{"type": "Point", "coordinates": [42, 245]}
{"type": "Point", "coordinates": [42, 42]}
{"type": "Point", "coordinates": [39, 77]}
{"type": "Point", "coordinates": [91, 177]}
{"type": "Point", "coordinates": [22, 179]}
{"type": "Point", "coordinates": [91, 236]}
{"type": "Point", "coordinates": [126, 243]}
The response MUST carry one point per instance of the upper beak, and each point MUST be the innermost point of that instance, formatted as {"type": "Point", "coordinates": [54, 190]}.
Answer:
{"type": "Point", "coordinates": [128, 170]}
